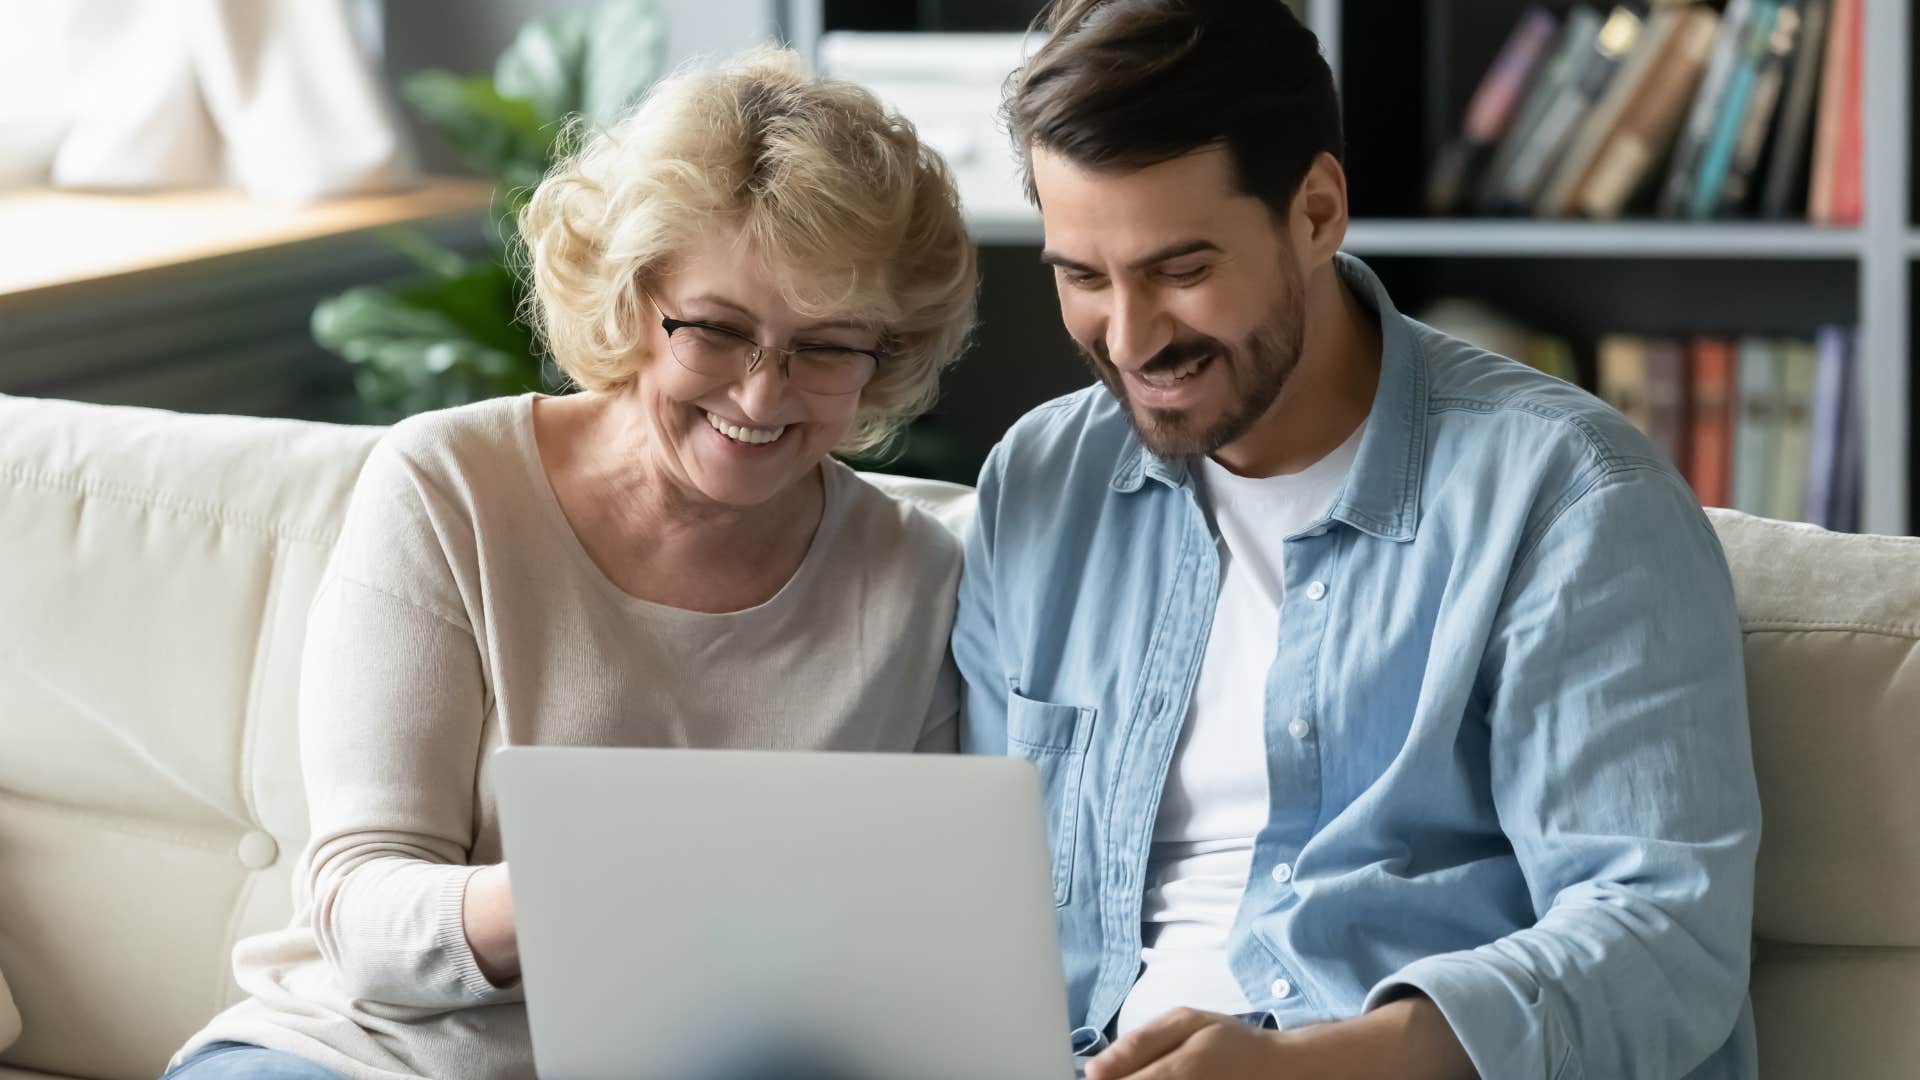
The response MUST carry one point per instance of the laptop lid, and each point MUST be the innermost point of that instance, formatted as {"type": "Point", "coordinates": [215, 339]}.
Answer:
{"type": "Point", "coordinates": [712, 915]}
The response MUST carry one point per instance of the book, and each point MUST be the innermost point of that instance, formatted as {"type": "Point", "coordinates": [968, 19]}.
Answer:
{"type": "Point", "coordinates": [1621, 378]}
{"type": "Point", "coordinates": [1651, 119]}
{"type": "Point", "coordinates": [1835, 85]}
{"type": "Point", "coordinates": [1848, 474]}
{"type": "Point", "coordinates": [1710, 435]}
{"type": "Point", "coordinates": [1578, 30]}
{"type": "Point", "coordinates": [1556, 197]}
{"type": "Point", "coordinates": [1784, 193]}
{"type": "Point", "coordinates": [1756, 429]}
{"type": "Point", "coordinates": [1520, 186]}
{"type": "Point", "coordinates": [1798, 366]}
{"type": "Point", "coordinates": [1849, 203]}
{"type": "Point", "coordinates": [1832, 388]}
{"type": "Point", "coordinates": [1769, 87]}
{"type": "Point", "coordinates": [1716, 158]}
{"type": "Point", "coordinates": [1692, 141]}
{"type": "Point", "coordinates": [1492, 111]}
{"type": "Point", "coordinates": [1668, 407]}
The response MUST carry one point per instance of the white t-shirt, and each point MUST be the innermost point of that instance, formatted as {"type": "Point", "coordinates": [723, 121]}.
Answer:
{"type": "Point", "coordinates": [1215, 801]}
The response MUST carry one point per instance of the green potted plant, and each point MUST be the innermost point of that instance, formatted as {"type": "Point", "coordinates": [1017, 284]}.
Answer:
{"type": "Point", "coordinates": [452, 334]}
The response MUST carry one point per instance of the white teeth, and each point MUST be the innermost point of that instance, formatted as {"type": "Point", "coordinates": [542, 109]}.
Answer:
{"type": "Point", "coordinates": [1168, 378]}
{"type": "Point", "coordinates": [755, 436]}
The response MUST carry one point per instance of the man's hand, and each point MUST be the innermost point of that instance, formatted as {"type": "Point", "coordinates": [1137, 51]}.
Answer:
{"type": "Point", "coordinates": [1189, 1043]}
{"type": "Point", "coordinates": [1405, 1039]}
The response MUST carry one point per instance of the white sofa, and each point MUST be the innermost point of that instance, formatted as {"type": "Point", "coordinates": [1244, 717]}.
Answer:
{"type": "Point", "coordinates": [154, 577]}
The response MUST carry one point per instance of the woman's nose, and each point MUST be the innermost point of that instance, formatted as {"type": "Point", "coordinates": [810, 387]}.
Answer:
{"type": "Point", "coordinates": [762, 391]}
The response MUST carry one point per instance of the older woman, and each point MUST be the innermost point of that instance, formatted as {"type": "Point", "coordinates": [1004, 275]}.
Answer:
{"type": "Point", "coordinates": [754, 269]}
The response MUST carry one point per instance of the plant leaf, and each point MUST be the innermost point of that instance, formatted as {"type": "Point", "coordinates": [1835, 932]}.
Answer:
{"type": "Point", "coordinates": [482, 302]}
{"type": "Point", "coordinates": [546, 65]}
{"type": "Point", "coordinates": [410, 358]}
{"type": "Point", "coordinates": [501, 136]}
{"type": "Point", "coordinates": [596, 62]}
{"type": "Point", "coordinates": [626, 52]}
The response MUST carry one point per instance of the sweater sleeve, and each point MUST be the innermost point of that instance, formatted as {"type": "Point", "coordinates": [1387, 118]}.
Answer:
{"type": "Point", "coordinates": [391, 709]}
{"type": "Point", "coordinates": [393, 703]}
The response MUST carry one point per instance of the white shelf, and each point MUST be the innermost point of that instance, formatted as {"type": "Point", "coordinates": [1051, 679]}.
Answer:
{"type": "Point", "coordinates": [1609, 240]}
{"type": "Point", "coordinates": [1501, 238]}
{"type": "Point", "coordinates": [1011, 227]}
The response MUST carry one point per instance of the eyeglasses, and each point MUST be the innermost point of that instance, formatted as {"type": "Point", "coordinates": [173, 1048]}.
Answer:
{"type": "Point", "coordinates": [716, 351]}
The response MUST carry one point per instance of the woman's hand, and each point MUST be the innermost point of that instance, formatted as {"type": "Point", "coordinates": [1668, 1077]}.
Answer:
{"type": "Point", "coordinates": [486, 913]}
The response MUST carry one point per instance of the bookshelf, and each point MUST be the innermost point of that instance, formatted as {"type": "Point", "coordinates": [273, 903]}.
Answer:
{"type": "Point", "coordinates": [1679, 277]}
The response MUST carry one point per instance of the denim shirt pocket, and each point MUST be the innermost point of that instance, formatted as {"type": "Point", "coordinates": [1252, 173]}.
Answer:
{"type": "Point", "coordinates": [1055, 739]}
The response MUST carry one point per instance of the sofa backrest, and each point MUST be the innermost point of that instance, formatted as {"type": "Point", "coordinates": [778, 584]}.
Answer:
{"type": "Point", "coordinates": [1832, 627]}
{"type": "Point", "coordinates": [154, 580]}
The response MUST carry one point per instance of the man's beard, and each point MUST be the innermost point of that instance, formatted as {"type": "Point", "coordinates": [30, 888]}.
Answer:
{"type": "Point", "coordinates": [1257, 367]}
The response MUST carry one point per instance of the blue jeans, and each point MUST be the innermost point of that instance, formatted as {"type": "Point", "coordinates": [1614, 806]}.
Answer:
{"type": "Point", "coordinates": [243, 1061]}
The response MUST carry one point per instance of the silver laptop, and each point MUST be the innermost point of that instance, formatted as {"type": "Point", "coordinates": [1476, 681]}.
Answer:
{"type": "Point", "coordinates": [734, 915]}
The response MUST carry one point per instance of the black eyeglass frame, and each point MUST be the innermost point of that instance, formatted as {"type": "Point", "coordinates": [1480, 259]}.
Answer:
{"type": "Point", "coordinates": [670, 324]}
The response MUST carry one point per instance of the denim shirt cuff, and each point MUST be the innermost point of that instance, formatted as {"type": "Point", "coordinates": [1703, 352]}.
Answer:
{"type": "Point", "coordinates": [1505, 1028]}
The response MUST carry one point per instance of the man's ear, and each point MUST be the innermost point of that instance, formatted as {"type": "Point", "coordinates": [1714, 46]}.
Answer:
{"type": "Point", "coordinates": [1318, 218]}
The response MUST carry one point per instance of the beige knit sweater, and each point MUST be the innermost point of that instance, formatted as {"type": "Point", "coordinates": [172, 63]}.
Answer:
{"type": "Point", "coordinates": [461, 614]}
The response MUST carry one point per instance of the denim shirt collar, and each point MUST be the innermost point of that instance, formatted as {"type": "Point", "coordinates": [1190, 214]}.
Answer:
{"type": "Point", "coordinates": [1382, 493]}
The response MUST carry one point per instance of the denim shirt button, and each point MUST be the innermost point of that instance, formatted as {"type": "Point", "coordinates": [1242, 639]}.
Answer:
{"type": "Point", "coordinates": [1299, 728]}
{"type": "Point", "coordinates": [1317, 591]}
{"type": "Point", "coordinates": [1282, 988]}
{"type": "Point", "coordinates": [1283, 873]}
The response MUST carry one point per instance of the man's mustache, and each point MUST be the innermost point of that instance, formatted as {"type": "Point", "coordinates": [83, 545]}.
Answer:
{"type": "Point", "coordinates": [1169, 358]}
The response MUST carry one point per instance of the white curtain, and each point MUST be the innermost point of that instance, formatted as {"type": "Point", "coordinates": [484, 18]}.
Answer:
{"type": "Point", "coordinates": [281, 98]}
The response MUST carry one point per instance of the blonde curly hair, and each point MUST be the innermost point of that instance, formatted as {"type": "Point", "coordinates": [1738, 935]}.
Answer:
{"type": "Point", "coordinates": [856, 215]}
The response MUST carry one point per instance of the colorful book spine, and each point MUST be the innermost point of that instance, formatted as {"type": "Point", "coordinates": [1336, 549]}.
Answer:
{"type": "Point", "coordinates": [1622, 377]}
{"type": "Point", "coordinates": [1763, 110]}
{"type": "Point", "coordinates": [1710, 442]}
{"type": "Point", "coordinates": [1756, 428]}
{"type": "Point", "coordinates": [1849, 166]}
{"type": "Point", "coordinates": [1732, 109]}
{"type": "Point", "coordinates": [1786, 182]}
{"type": "Point", "coordinates": [1699, 126]}
{"type": "Point", "coordinates": [1798, 365]}
{"type": "Point", "coordinates": [1848, 473]}
{"type": "Point", "coordinates": [1668, 408]}
{"type": "Point", "coordinates": [1836, 84]}
{"type": "Point", "coordinates": [1831, 390]}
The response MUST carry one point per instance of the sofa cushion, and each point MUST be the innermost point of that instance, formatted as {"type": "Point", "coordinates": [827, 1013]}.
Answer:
{"type": "Point", "coordinates": [153, 599]}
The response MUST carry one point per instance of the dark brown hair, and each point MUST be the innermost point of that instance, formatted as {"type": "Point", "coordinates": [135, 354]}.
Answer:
{"type": "Point", "coordinates": [1130, 83]}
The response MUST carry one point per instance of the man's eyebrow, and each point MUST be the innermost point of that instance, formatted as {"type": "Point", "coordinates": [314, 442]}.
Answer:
{"type": "Point", "coordinates": [1053, 258]}
{"type": "Point", "coordinates": [1171, 251]}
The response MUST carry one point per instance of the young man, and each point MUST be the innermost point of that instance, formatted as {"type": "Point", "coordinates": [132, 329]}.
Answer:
{"type": "Point", "coordinates": [1386, 693]}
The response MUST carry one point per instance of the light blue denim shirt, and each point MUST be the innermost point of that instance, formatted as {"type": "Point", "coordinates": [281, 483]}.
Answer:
{"type": "Point", "coordinates": [1506, 722]}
